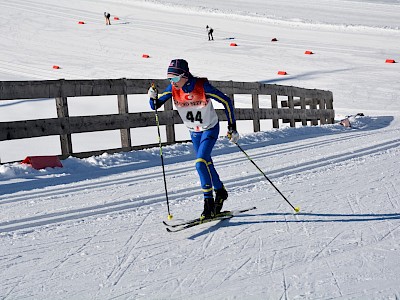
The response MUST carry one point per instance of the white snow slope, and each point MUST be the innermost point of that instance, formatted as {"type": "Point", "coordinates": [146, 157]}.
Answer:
{"type": "Point", "coordinates": [93, 229]}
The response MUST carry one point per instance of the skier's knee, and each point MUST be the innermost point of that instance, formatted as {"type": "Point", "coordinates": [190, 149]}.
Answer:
{"type": "Point", "coordinates": [201, 163]}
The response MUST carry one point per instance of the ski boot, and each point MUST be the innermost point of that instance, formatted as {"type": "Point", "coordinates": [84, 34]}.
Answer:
{"type": "Point", "coordinates": [209, 209]}
{"type": "Point", "coordinates": [220, 196]}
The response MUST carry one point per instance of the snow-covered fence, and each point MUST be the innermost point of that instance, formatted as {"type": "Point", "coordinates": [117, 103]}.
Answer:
{"type": "Point", "coordinates": [287, 103]}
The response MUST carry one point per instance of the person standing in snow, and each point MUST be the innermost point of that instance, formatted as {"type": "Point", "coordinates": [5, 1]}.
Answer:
{"type": "Point", "coordinates": [192, 98]}
{"type": "Point", "coordinates": [210, 33]}
{"type": "Point", "coordinates": [107, 16]}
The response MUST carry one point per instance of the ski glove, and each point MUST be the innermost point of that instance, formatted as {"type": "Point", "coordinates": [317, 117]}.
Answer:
{"type": "Point", "coordinates": [232, 134]}
{"type": "Point", "coordinates": [152, 93]}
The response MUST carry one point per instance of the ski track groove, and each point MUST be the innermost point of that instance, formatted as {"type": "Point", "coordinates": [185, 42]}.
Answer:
{"type": "Point", "coordinates": [325, 247]}
{"type": "Point", "coordinates": [392, 198]}
{"type": "Point", "coordinates": [14, 287]}
{"type": "Point", "coordinates": [303, 225]}
{"type": "Point", "coordinates": [235, 240]}
{"type": "Point", "coordinates": [249, 240]}
{"type": "Point", "coordinates": [151, 257]}
{"type": "Point", "coordinates": [37, 8]}
{"type": "Point", "coordinates": [27, 224]}
{"type": "Point", "coordinates": [285, 285]}
{"type": "Point", "coordinates": [287, 224]}
{"type": "Point", "coordinates": [83, 187]}
{"type": "Point", "coordinates": [272, 268]}
{"type": "Point", "coordinates": [239, 233]}
{"type": "Point", "coordinates": [207, 242]}
{"type": "Point", "coordinates": [336, 282]}
{"type": "Point", "coordinates": [348, 199]}
{"type": "Point", "coordinates": [234, 270]}
{"type": "Point", "coordinates": [375, 232]}
{"type": "Point", "coordinates": [191, 256]}
{"type": "Point", "coordinates": [71, 253]}
{"type": "Point", "coordinates": [35, 71]}
{"type": "Point", "coordinates": [123, 265]}
{"type": "Point", "coordinates": [390, 232]}
{"type": "Point", "coordinates": [13, 68]}
{"type": "Point", "coordinates": [125, 262]}
{"type": "Point", "coordinates": [259, 255]}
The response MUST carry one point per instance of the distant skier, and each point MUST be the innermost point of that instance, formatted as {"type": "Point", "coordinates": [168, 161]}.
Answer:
{"type": "Point", "coordinates": [210, 33]}
{"type": "Point", "coordinates": [192, 98]}
{"type": "Point", "coordinates": [107, 16]}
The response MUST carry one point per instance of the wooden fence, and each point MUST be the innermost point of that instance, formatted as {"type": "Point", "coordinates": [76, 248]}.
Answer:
{"type": "Point", "coordinates": [308, 106]}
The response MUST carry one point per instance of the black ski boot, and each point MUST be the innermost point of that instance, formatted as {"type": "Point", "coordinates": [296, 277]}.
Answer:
{"type": "Point", "coordinates": [209, 209]}
{"type": "Point", "coordinates": [220, 196]}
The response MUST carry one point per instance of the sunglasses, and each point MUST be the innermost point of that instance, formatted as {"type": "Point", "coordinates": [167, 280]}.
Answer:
{"type": "Point", "coordinates": [176, 79]}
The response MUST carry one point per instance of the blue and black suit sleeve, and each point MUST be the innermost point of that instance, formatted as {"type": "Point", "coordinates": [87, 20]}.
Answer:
{"type": "Point", "coordinates": [217, 95]}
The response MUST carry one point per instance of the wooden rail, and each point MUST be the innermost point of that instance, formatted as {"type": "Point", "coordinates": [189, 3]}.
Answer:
{"type": "Point", "coordinates": [299, 105]}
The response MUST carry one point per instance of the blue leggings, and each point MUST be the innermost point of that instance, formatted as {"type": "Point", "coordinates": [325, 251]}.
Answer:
{"type": "Point", "coordinates": [203, 143]}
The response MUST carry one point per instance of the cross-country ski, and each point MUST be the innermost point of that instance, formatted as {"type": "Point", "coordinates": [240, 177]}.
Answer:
{"type": "Point", "coordinates": [191, 223]}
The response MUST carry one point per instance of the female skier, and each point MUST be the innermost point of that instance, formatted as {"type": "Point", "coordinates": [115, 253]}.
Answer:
{"type": "Point", "coordinates": [192, 98]}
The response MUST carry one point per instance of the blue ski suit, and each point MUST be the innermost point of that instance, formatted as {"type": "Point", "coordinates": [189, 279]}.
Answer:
{"type": "Point", "coordinates": [193, 103]}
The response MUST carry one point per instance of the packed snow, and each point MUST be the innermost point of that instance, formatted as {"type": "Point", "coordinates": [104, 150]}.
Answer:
{"type": "Point", "coordinates": [93, 229]}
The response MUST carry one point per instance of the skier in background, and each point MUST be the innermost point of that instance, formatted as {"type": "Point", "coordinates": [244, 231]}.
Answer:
{"type": "Point", "coordinates": [192, 98]}
{"type": "Point", "coordinates": [210, 33]}
{"type": "Point", "coordinates": [107, 16]}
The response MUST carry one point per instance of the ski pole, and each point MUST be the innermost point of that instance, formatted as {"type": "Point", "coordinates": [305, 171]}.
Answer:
{"type": "Point", "coordinates": [161, 152]}
{"type": "Point", "coordinates": [296, 209]}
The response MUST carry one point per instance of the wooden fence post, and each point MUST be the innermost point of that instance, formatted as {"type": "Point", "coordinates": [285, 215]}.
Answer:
{"type": "Point", "coordinates": [322, 119]}
{"type": "Point", "coordinates": [65, 139]}
{"type": "Point", "coordinates": [256, 111]}
{"type": "Point", "coordinates": [303, 106]}
{"type": "Point", "coordinates": [274, 104]}
{"type": "Point", "coordinates": [291, 106]}
{"type": "Point", "coordinates": [314, 106]}
{"type": "Point", "coordinates": [125, 132]}
{"type": "Point", "coordinates": [329, 105]}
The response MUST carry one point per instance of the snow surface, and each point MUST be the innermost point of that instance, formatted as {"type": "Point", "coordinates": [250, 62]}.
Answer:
{"type": "Point", "coordinates": [92, 229]}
